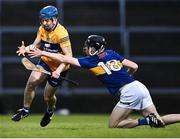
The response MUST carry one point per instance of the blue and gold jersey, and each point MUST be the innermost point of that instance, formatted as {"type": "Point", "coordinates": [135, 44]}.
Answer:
{"type": "Point", "coordinates": [108, 68]}
{"type": "Point", "coordinates": [53, 42]}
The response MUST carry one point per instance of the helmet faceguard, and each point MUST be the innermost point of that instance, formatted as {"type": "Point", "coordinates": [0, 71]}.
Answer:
{"type": "Point", "coordinates": [48, 12]}
{"type": "Point", "coordinates": [95, 42]}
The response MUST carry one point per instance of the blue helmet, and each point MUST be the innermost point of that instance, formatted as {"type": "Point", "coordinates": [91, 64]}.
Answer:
{"type": "Point", "coordinates": [48, 12]}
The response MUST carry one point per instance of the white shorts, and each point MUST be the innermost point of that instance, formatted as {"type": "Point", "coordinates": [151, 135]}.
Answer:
{"type": "Point", "coordinates": [135, 96]}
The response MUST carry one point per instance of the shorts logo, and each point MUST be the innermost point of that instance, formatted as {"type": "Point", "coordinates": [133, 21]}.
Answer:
{"type": "Point", "coordinates": [47, 45]}
{"type": "Point", "coordinates": [54, 82]}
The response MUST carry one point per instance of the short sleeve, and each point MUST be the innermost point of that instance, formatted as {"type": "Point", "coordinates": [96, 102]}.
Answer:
{"type": "Point", "coordinates": [64, 38]}
{"type": "Point", "coordinates": [119, 57]}
{"type": "Point", "coordinates": [84, 62]}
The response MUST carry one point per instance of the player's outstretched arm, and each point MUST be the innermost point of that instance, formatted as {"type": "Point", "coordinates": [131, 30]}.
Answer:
{"type": "Point", "coordinates": [132, 66]}
{"type": "Point", "coordinates": [58, 57]}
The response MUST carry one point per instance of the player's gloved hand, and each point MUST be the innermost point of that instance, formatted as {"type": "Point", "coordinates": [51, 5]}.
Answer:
{"type": "Point", "coordinates": [22, 49]}
{"type": "Point", "coordinates": [55, 74]}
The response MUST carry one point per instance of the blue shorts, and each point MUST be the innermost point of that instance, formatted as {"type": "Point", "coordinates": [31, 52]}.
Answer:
{"type": "Point", "coordinates": [54, 82]}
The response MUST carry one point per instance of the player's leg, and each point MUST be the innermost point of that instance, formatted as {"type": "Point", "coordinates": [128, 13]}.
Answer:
{"type": "Point", "coordinates": [154, 117]}
{"type": "Point", "coordinates": [34, 80]}
{"type": "Point", "coordinates": [50, 89]}
{"type": "Point", "coordinates": [50, 99]}
{"type": "Point", "coordinates": [131, 98]}
{"type": "Point", "coordinates": [49, 96]}
{"type": "Point", "coordinates": [166, 119]}
{"type": "Point", "coordinates": [118, 118]}
{"type": "Point", "coordinates": [149, 110]}
{"type": "Point", "coordinates": [171, 118]}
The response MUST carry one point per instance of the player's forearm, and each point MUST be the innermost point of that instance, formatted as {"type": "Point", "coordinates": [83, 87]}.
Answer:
{"type": "Point", "coordinates": [61, 58]}
{"type": "Point", "coordinates": [131, 71]}
{"type": "Point", "coordinates": [55, 56]}
{"type": "Point", "coordinates": [37, 42]}
{"type": "Point", "coordinates": [61, 67]}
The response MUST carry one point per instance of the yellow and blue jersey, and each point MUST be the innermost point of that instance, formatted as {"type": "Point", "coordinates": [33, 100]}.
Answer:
{"type": "Point", "coordinates": [53, 41]}
{"type": "Point", "coordinates": [108, 68]}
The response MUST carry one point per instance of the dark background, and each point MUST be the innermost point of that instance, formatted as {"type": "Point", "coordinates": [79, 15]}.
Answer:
{"type": "Point", "coordinates": [145, 31]}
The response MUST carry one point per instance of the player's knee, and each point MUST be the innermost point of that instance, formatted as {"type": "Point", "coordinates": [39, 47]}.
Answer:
{"type": "Point", "coordinates": [34, 81]}
{"type": "Point", "coordinates": [46, 99]}
{"type": "Point", "coordinates": [112, 125]}
{"type": "Point", "coordinates": [31, 86]}
{"type": "Point", "coordinates": [120, 124]}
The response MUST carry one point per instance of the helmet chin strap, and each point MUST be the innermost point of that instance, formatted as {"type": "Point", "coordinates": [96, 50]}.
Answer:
{"type": "Point", "coordinates": [54, 24]}
{"type": "Point", "coordinates": [90, 49]}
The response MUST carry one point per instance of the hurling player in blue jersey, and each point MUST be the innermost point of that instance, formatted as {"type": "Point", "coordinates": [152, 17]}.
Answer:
{"type": "Point", "coordinates": [51, 37]}
{"type": "Point", "coordinates": [115, 72]}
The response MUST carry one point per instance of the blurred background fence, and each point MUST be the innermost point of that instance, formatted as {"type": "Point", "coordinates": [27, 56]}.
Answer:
{"type": "Point", "coordinates": [145, 31]}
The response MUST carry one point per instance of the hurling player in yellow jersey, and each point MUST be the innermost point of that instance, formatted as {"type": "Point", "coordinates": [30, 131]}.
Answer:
{"type": "Point", "coordinates": [51, 37]}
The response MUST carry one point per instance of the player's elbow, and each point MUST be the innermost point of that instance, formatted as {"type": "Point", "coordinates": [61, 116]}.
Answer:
{"type": "Point", "coordinates": [135, 67]}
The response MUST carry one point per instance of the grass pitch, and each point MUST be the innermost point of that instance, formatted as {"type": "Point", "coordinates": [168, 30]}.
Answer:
{"type": "Point", "coordinates": [78, 126]}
